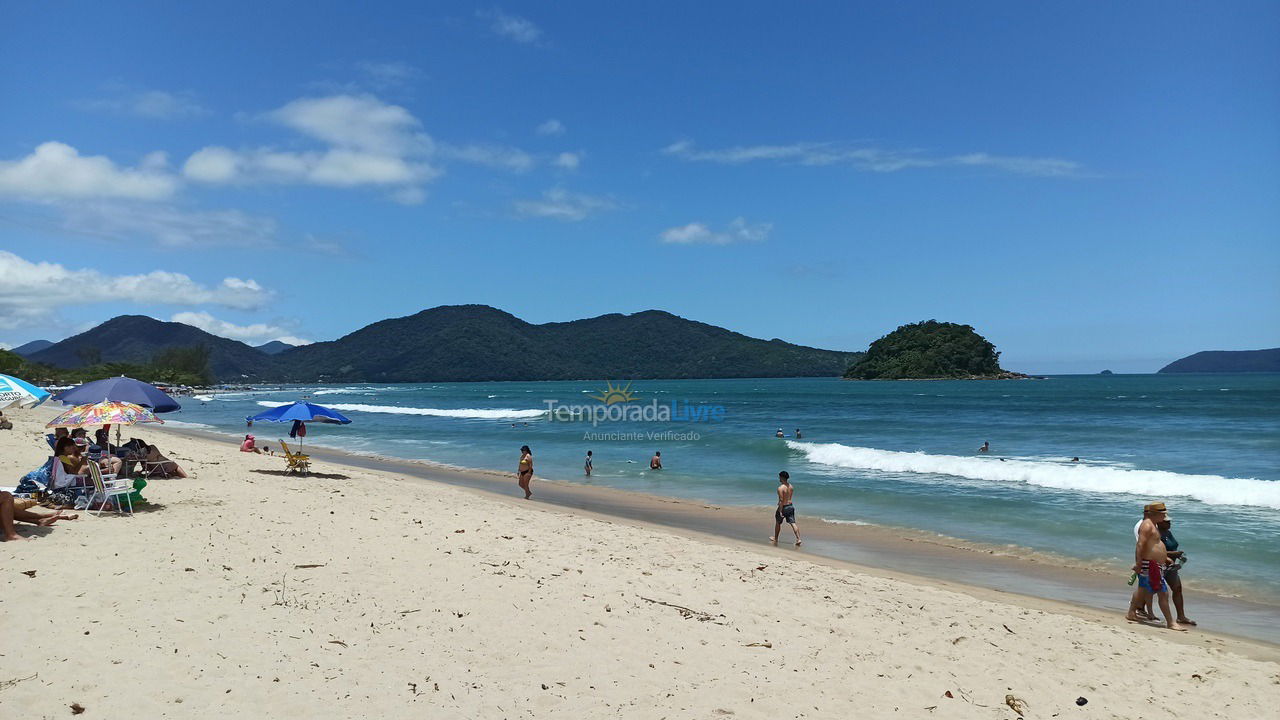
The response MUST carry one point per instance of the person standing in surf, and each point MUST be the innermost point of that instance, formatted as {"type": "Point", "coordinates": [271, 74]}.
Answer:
{"type": "Point", "coordinates": [587, 467]}
{"type": "Point", "coordinates": [786, 511]}
{"type": "Point", "coordinates": [524, 471]}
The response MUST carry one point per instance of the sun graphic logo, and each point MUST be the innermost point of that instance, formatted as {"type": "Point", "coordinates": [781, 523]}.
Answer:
{"type": "Point", "coordinates": [614, 394]}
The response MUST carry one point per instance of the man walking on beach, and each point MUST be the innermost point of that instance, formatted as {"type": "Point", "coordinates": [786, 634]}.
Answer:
{"type": "Point", "coordinates": [786, 511]}
{"type": "Point", "coordinates": [1150, 557]}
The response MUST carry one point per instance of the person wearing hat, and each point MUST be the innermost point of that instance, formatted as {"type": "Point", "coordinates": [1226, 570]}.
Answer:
{"type": "Point", "coordinates": [249, 445]}
{"type": "Point", "coordinates": [1150, 558]}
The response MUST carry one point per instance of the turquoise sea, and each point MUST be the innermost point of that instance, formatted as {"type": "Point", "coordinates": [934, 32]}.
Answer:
{"type": "Point", "coordinates": [891, 453]}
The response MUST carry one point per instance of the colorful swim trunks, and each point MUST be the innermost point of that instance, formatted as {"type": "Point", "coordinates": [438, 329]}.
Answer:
{"type": "Point", "coordinates": [1152, 577]}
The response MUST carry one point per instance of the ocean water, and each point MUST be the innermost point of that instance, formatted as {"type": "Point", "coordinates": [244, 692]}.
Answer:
{"type": "Point", "coordinates": [902, 454]}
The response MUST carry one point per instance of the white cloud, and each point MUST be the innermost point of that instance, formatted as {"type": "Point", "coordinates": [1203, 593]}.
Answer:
{"type": "Point", "coordinates": [696, 233]}
{"type": "Point", "coordinates": [369, 142]}
{"type": "Point", "coordinates": [156, 104]}
{"type": "Point", "coordinates": [871, 159]}
{"type": "Point", "coordinates": [493, 156]}
{"type": "Point", "coordinates": [255, 334]}
{"type": "Point", "coordinates": [512, 27]}
{"type": "Point", "coordinates": [567, 160]}
{"type": "Point", "coordinates": [170, 226]}
{"type": "Point", "coordinates": [56, 170]}
{"type": "Point", "coordinates": [30, 292]}
{"type": "Point", "coordinates": [560, 204]}
{"type": "Point", "coordinates": [389, 74]}
{"type": "Point", "coordinates": [551, 127]}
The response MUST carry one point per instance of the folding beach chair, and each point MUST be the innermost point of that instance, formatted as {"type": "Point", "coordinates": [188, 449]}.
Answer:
{"type": "Point", "coordinates": [297, 461]}
{"type": "Point", "coordinates": [106, 487]}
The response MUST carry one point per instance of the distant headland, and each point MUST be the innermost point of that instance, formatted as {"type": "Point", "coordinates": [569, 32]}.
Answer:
{"type": "Point", "coordinates": [1227, 361]}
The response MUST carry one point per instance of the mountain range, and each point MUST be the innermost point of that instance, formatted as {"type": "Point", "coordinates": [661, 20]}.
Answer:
{"type": "Point", "coordinates": [467, 343]}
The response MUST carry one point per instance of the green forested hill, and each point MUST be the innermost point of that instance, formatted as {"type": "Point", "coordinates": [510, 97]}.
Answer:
{"type": "Point", "coordinates": [477, 342]}
{"type": "Point", "coordinates": [929, 350]}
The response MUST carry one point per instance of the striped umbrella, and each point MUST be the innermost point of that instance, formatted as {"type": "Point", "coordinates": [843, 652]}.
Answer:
{"type": "Point", "coordinates": [107, 412]}
{"type": "Point", "coordinates": [15, 392]}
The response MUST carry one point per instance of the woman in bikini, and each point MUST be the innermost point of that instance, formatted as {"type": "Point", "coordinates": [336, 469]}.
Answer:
{"type": "Point", "coordinates": [525, 470]}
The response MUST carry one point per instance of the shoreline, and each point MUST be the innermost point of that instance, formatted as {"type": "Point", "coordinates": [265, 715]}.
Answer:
{"type": "Point", "coordinates": [352, 592]}
{"type": "Point", "coordinates": [987, 572]}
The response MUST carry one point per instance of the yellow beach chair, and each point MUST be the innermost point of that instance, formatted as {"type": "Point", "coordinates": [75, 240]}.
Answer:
{"type": "Point", "coordinates": [297, 461]}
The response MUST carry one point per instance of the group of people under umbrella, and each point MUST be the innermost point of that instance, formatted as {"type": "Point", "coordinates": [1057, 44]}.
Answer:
{"type": "Point", "coordinates": [117, 402]}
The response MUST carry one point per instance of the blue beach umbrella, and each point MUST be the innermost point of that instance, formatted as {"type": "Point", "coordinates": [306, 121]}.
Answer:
{"type": "Point", "coordinates": [302, 411]}
{"type": "Point", "coordinates": [19, 393]}
{"type": "Point", "coordinates": [120, 389]}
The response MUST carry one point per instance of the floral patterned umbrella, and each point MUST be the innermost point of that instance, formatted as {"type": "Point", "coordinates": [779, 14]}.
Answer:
{"type": "Point", "coordinates": [106, 412]}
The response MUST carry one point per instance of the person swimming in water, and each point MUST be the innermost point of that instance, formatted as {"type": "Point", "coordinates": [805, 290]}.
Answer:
{"type": "Point", "coordinates": [779, 433]}
{"type": "Point", "coordinates": [986, 446]}
{"type": "Point", "coordinates": [798, 436]}
{"type": "Point", "coordinates": [655, 462]}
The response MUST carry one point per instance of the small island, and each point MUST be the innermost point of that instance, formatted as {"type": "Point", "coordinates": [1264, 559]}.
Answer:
{"type": "Point", "coordinates": [931, 350]}
{"type": "Point", "coordinates": [1106, 372]}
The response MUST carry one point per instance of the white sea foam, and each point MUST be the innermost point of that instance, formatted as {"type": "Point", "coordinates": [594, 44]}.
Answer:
{"type": "Point", "coordinates": [203, 398]}
{"type": "Point", "coordinates": [482, 413]}
{"type": "Point", "coordinates": [180, 423]}
{"type": "Point", "coordinates": [1208, 489]}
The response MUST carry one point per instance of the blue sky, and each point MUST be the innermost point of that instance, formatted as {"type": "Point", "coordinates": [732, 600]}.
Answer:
{"type": "Point", "coordinates": [1091, 185]}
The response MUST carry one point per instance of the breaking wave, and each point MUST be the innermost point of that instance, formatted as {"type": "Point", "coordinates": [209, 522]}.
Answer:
{"type": "Point", "coordinates": [478, 413]}
{"type": "Point", "coordinates": [1208, 489]}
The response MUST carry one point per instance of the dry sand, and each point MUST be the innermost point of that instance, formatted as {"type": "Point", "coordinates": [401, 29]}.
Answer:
{"type": "Point", "coordinates": [356, 593]}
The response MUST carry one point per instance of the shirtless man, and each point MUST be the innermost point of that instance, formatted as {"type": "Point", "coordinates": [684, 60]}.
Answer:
{"type": "Point", "coordinates": [1150, 557]}
{"type": "Point", "coordinates": [786, 511]}
{"type": "Point", "coordinates": [655, 462]}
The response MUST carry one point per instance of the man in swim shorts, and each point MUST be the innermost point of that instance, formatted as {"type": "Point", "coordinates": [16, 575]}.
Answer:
{"type": "Point", "coordinates": [1150, 558]}
{"type": "Point", "coordinates": [786, 511]}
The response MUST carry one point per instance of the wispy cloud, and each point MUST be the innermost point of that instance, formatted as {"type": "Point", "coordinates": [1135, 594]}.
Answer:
{"type": "Point", "coordinates": [568, 160]}
{"type": "Point", "coordinates": [550, 127]}
{"type": "Point", "coordinates": [389, 74]}
{"type": "Point", "coordinates": [170, 226]}
{"type": "Point", "coordinates": [155, 104]}
{"type": "Point", "coordinates": [512, 27]}
{"type": "Point", "coordinates": [56, 170]}
{"type": "Point", "coordinates": [254, 334]}
{"type": "Point", "coordinates": [25, 297]}
{"type": "Point", "coordinates": [696, 233]}
{"type": "Point", "coordinates": [871, 159]}
{"type": "Point", "coordinates": [560, 204]}
{"type": "Point", "coordinates": [494, 156]}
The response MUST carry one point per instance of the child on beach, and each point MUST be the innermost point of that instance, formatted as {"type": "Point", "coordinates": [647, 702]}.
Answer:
{"type": "Point", "coordinates": [587, 467]}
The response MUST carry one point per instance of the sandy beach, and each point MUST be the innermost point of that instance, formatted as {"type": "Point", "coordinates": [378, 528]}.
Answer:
{"type": "Point", "coordinates": [362, 593]}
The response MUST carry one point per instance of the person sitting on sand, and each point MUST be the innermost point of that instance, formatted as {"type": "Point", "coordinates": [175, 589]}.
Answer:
{"type": "Point", "coordinates": [249, 446]}
{"type": "Point", "coordinates": [524, 471]}
{"type": "Point", "coordinates": [655, 462]}
{"type": "Point", "coordinates": [4, 422]}
{"type": "Point", "coordinates": [1150, 558]}
{"type": "Point", "coordinates": [20, 509]}
{"type": "Point", "coordinates": [786, 511]}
